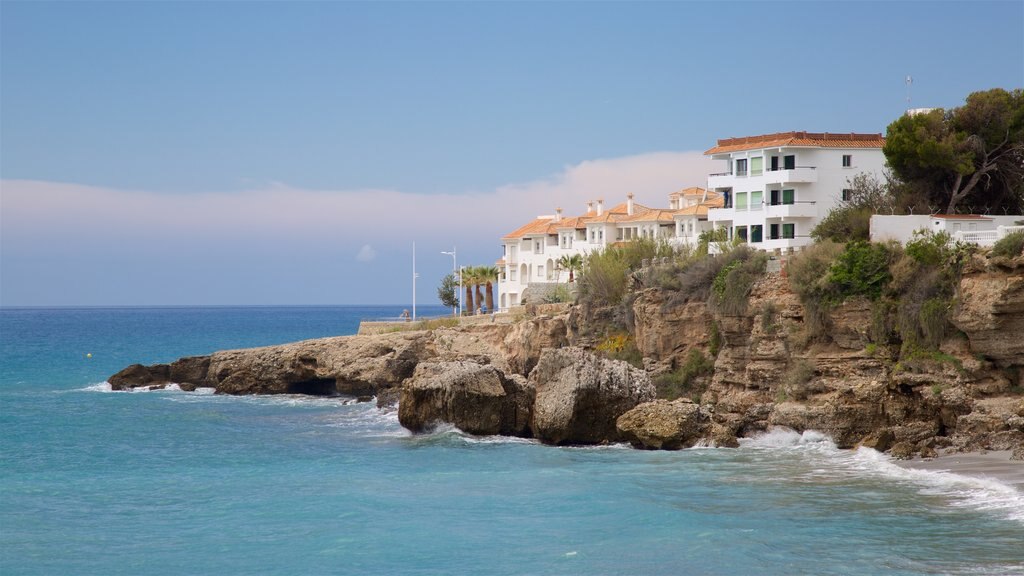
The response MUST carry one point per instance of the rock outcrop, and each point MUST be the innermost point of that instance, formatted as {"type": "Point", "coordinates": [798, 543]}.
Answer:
{"type": "Point", "coordinates": [665, 425]}
{"type": "Point", "coordinates": [579, 396]}
{"type": "Point", "coordinates": [477, 398]}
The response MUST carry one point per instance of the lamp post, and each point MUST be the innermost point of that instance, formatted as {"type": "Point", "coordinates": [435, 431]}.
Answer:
{"type": "Point", "coordinates": [455, 269]}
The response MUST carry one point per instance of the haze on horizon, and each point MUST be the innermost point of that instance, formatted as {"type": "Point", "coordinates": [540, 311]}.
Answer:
{"type": "Point", "coordinates": [291, 153]}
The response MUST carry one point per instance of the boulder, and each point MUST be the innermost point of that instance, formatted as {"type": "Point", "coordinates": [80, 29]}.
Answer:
{"type": "Point", "coordinates": [137, 375]}
{"type": "Point", "coordinates": [664, 425]}
{"type": "Point", "coordinates": [579, 396]}
{"type": "Point", "coordinates": [476, 398]}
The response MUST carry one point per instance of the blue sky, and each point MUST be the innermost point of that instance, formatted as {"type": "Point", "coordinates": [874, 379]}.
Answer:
{"type": "Point", "coordinates": [289, 153]}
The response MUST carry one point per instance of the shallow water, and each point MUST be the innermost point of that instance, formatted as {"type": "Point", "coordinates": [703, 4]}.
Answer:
{"type": "Point", "coordinates": [169, 482]}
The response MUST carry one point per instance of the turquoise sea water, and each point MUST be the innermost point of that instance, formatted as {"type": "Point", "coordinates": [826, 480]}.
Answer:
{"type": "Point", "coordinates": [168, 482]}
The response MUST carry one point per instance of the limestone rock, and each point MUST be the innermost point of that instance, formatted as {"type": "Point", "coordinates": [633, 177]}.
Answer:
{"type": "Point", "coordinates": [664, 425]}
{"type": "Point", "coordinates": [579, 396]}
{"type": "Point", "coordinates": [476, 398]}
{"type": "Point", "coordinates": [991, 307]}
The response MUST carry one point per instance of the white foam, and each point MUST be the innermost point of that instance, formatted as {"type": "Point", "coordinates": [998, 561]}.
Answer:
{"type": "Point", "coordinates": [99, 387]}
{"type": "Point", "coordinates": [782, 437]}
{"type": "Point", "coordinates": [979, 493]}
{"type": "Point", "coordinates": [824, 460]}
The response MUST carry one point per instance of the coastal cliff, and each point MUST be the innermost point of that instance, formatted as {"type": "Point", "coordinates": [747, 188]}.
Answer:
{"type": "Point", "coordinates": [545, 375]}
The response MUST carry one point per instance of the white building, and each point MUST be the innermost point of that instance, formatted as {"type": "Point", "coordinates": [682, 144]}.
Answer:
{"type": "Point", "coordinates": [777, 187]}
{"type": "Point", "coordinates": [984, 230]}
{"type": "Point", "coordinates": [531, 253]}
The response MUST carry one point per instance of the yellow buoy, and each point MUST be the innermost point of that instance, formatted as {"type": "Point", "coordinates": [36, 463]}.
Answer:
{"type": "Point", "coordinates": [88, 355]}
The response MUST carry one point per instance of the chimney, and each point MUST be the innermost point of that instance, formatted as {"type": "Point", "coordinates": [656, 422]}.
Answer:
{"type": "Point", "coordinates": [629, 204]}
{"type": "Point", "coordinates": [590, 206]}
{"type": "Point", "coordinates": [600, 206]}
{"type": "Point", "coordinates": [558, 214]}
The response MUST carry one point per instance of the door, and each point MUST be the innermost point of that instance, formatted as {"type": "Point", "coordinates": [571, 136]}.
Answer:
{"type": "Point", "coordinates": [789, 162]}
{"type": "Point", "coordinates": [775, 163]}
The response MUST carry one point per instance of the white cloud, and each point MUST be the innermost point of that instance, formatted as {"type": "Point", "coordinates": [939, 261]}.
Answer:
{"type": "Point", "coordinates": [366, 253]}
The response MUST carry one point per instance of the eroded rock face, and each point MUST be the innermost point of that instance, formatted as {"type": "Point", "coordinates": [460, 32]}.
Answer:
{"type": "Point", "coordinates": [664, 332]}
{"type": "Point", "coordinates": [990, 310]}
{"type": "Point", "coordinates": [477, 398]}
{"type": "Point", "coordinates": [664, 425]}
{"type": "Point", "coordinates": [579, 396]}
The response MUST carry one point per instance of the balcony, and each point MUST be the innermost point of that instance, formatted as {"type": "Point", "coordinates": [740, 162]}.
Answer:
{"type": "Point", "coordinates": [720, 180]}
{"type": "Point", "coordinates": [796, 210]}
{"type": "Point", "coordinates": [796, 174]}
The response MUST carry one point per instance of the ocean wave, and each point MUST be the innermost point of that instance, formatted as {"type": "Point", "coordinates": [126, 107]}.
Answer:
{"type": "Point", "coordinates": [105, 387]}
{"type": "Point", "coordinates": [975, 492]}
{"type": "Point", "coordinates": [822, 460]}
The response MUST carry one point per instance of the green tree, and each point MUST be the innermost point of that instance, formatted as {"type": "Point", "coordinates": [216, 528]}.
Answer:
{"type": "Point", "coordinates": [971, 155]}
{"type": "Point", "coordinates": [489, 275]}
{"type": "Point", "coordinates": [448, 292]}
{"type": "Point", "coordinates": [573, 264]}
{"type": "Point", "coordinates": [468, 276]}
{"type": "Point", "coordinates": [851, 219]}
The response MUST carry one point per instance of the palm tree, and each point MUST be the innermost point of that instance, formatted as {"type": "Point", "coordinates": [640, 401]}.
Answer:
{"type": "Point", "coordinates": [478, 281]}
{"type": "Point", "coordinates": [572, 264]}
{"type": "Point", "coordinates": [467, 283]}
{"type": "Point", "coordinates": [489, 275]}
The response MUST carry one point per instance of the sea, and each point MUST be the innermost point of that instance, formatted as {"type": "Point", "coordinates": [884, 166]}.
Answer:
{"type": "Point", "coordinates": [171, 482]}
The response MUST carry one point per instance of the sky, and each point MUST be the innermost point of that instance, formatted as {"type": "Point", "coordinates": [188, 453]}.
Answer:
{"type": "Point", "coordinates": [193, 153]}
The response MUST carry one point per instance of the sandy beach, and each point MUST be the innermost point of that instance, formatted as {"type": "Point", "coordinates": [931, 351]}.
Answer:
{"type": "Point", "coordinates": [995, 465]}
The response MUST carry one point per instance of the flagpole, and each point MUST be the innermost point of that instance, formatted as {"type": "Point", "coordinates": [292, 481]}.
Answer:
{"type": "Point", "coordinates": [414, 275]}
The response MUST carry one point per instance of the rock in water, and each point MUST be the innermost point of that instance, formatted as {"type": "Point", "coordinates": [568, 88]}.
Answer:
{"type": "Point", "coordinates": [664, 424]}
{"type": "Point", "coordinates": [580, 396]}
{"type": "Point", "coordinates": [477, 398]}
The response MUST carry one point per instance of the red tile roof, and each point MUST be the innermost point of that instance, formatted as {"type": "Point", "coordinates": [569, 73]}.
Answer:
{"type": "Point", "coordinates": [815, 139]}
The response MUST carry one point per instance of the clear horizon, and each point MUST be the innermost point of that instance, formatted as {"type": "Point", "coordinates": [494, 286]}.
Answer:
{"type": "Point", "coordinates": [237, 154]}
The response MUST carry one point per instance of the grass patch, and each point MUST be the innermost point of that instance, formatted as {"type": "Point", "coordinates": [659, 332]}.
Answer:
{"type": "Point", "coordinates": [796, 377]}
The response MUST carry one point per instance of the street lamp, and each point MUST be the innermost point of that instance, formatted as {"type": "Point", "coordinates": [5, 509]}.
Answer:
{"type": "Point", "coordinates": [454, 270]}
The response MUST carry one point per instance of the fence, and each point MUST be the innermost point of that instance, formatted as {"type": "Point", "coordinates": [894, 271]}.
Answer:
{"type": "Point", "coordinates": [986, 237]}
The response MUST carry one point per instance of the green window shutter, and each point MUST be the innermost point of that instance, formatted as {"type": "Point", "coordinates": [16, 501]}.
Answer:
{"type": "Point", "coordinates": [787, 197]}
{"type": "Point", "coordinates": [741, 200]}
{"type": "Point", "coordinates": [789, 230]}
{"type": "Point", "coordinates": [756, 166]}
{"type": "Point", "coordinates": [755, 200]}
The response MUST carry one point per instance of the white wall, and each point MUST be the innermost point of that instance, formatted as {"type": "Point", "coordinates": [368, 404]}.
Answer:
{"type": "Point", "coordinates": [900, 228]}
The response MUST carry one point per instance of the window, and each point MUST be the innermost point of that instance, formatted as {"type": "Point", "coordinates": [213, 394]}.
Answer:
{"type": "Point", "coordinates": [788, 197]}
{"type": "Point", "coordinates": [741, 200]}
{"type": "Point", "coordinates": [538, 247]}
{"type": "Point", "coordinates": [789, 162]}
{"type": "Point", "coordinates": [755, 200]}
{"type": "Point", "coordinates": [789, 230]}
{"type": "Point", "coordinates": [756, 166]}
{"type": "Point", "coordinates": [540, 271]}
{"type": "Point", "coordinates": [775, 197]}
{"type": "Point", "coordinates": [600, 235]}
{"type": "Point", "coordinates": [847, 194]}
{"type": "Point", "coordinates": [847, 160]}
{"type": "Point", "coordinates": [773, 231]}
{"type": "Point", "coordinates": [741, 233]}
{"type": "Point", "coordinates": [756, 232]}
{"type": "Point", "coordinates": [593, 236]}
{"type": "Point", "coordinates": [741, 167]}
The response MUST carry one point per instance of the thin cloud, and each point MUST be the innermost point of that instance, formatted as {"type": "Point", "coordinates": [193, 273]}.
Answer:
{"type": "Point", "coordinates": [277, 226]}
{"type": "Point", "coordinates": [366, 254]}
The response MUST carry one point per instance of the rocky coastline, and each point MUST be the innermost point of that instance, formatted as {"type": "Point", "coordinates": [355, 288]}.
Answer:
{"type": "Point", "coordinates": [543, 377]}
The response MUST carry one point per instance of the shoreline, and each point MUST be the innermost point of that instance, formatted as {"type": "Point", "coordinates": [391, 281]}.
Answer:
{"type": "Point", "coordinates": [993, 465]}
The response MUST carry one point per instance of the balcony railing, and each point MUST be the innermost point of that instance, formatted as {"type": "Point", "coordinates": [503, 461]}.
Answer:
{"type": "Point", "coordinates": [799, 209]}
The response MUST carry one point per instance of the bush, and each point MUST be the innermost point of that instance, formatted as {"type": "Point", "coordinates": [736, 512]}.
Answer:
{"type": "Point", "coordinates": [560, 293]}
{"type": "Point", "coordinates": [862, 269]}
{"type": "Point", "coordinates": [679, 382]}
{"type": "Point", "coordinates": [769, 310]}
{"type": "Point", "coordinates": [1009, 246]}
{"type": "Point", "coordinates": [606, 272]}
{"type": "Point", "coordinates": [732, 284]}
{"type": "Point", "coordinates": [844, 224]}
{"type": "Point", "coordinates": [797, 375]}
{"type": "Point", "coordinates": [621, 346]}
{"type": "Point", "coordinates": [808, 274]}
{"type": "Point", "coordinates": [932, 249]}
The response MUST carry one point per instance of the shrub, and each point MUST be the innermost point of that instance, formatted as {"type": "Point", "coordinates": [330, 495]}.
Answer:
{"type": "Point", "coordinates": [932, 249]}
{"type": "Point", "coordinates": [677, 383]}
{"type": "Point", "coordinates": [808, 274]}
{"type": "Point", "coordinates": [797, 375]}
{"type": "Point", "coordinates": [1010, 246]}
{"type": "Point", "coordinates": [732, 284]}
{"type": "Point", "coordinates": [621, 346]}
{"type": "Point", "coordinates": [560, 293]}
{"type": "Point", "coordinates": [862, 269]}
{"type": "Point", "coordinates": [934, 318]}
{"type": "Point", "coordinates": [843, 224]}
{"type": "Point", "coordinates": [714, 339]}
{"type": "Point", "coordinates": [769, 310]}
{"type": "Point", "coordinates": [606, 272]}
